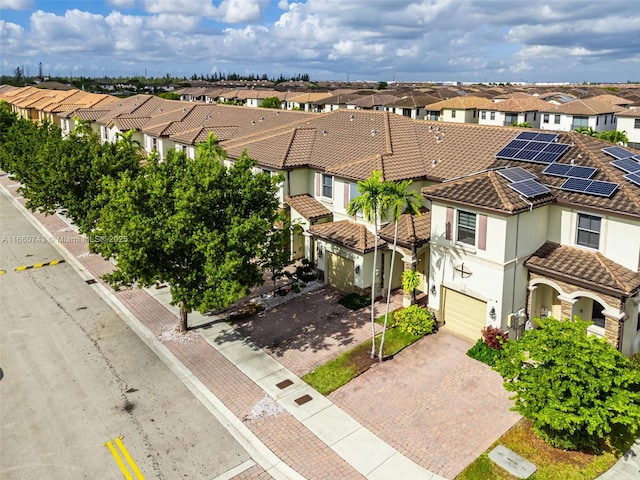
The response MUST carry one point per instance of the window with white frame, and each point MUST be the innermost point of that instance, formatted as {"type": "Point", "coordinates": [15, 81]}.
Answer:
{"type": "Point", "coordinates": [492, 115]}
{"type": "Point", "coordinates": [636, 123]}
{"type": "Point", "coordinates": [466, 228]}
{"type": "Point", "coordinates": [588, 231]}
{"type": "Point", "coordinates": [545, 118]}
{"type": "Point", "coordinates": [483, 115]}
{"type": "Point", "coordinates": [556, 119]}
{"type": "Point", "coordinates": [453, 114]}
{"type": "Point", "coordinates": [154, 143]}
{"type": "Point", "coordinates": [579, 122]}
{"type": "Point", "coordinates": [327, 185]}
{"type": "Point", "coordinates": [266, 171]}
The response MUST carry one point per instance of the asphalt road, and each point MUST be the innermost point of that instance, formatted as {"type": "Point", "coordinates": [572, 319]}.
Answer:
{"type": "Point", "coordinates": [74, 377]}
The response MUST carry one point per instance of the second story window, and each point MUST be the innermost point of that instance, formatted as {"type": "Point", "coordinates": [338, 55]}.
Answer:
{"type": "Point", "coordinates": [327, 186]}
{"type": "Point", "coordinates": [466, 228]}
{"type": "Point", "coordinates": [588, 232]}
{"type": "Point", "coordinates": [545, 118]}
{"type": "Point", "coordinates": [154, 143]}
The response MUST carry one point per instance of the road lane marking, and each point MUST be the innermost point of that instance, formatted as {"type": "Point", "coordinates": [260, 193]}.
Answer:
{"type": "Point", "coordinates": [130, 463]}
{"type": "Point", "coordinates": [21, 268]}
{"type": "Point", "coordinates": [118, 460]}
{"type": "Point", "coordinates": [2, 272]}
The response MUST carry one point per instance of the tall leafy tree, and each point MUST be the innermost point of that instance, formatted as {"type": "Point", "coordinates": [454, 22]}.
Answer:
{"type": "Point", "coordinates": [125, 140]}
{"type": "Point", "coordinates": [211, 149]}
{"type": "Point", "coordinates": [614, 136]}
{"type": "Point", "coordinates": [399, 198]}
{"type": "Point", "coordinates": [371, 203]}
{"type": "Point", "coordinates": [575, 388]}
{"type": "Point", "coordinates": [195, 224]}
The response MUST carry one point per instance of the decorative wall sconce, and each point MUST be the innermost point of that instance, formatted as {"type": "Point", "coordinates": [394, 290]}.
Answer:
{"type": "Point", "coordinates": [357, 269]}
{"type": "Point", "coordinates": [320, 252]}
{"type": "Point", "coordinates": [433, 289]}
{"type": "Point", "coordinates": [492, 313]}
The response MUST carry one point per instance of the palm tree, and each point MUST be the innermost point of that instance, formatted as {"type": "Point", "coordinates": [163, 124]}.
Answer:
{"type": "Point", "coordinates": [614, 136]}
{"type": "Point", "coordinates": [127, 142]}
{"type": "Point", "coordinates": [588, 131]}
{"type": "Point", "coordinates": [211, 149]}
{"type": "Point", "coordinates": [370, 203]}
{"type": "Point", "coordinates": [399, 199]}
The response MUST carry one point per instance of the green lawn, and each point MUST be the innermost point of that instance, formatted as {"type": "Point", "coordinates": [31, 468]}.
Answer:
{"type": "Point", "coordinates": [552, 463]}
{"type": "Point", "coordinates": [341, 370]}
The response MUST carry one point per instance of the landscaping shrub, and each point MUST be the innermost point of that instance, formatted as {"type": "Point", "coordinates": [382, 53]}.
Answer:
{"type": "Point", "coordinates": [483, 353]}
{"type": "Point", "coordinates": [355, 301]}
{"type": "Point", "coordinates": [494, 337]}
{"type": "Point", "coordinates": [415, 319]}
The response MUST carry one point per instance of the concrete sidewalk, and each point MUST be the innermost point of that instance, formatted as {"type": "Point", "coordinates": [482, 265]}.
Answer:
{"type": "Point", "coordinates": [311, 439]}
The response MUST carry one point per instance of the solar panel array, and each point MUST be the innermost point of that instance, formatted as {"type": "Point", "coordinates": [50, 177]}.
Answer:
{"type": "Point", "coordinates": [564, 170]}
{"type": "Point", "coordinates": [534, 147]}
{"type": "Point", "coordinates": [516, 174]}
{"type": "Point", "coordinates": [626, 161]}
{"type": "Point", "coordinates": [529, 188]}
{"type": "Point", "coordinates": [593, 187]}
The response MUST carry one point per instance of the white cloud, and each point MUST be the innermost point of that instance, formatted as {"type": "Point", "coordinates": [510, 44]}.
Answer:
{"type": "Point", "coordinates": [172, 23]}
{"type": "Point", "coordinates": [241, 11]}
{"type": "Point", "coordinates": [17, 4]}
{"type": "Point", "coordinates": [121, 3]}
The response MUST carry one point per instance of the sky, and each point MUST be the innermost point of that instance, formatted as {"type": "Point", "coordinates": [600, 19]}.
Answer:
{"type": "Point", "coordinates": [345, 40]}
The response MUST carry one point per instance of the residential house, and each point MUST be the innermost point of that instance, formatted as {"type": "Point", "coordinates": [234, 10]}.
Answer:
{"type": "Point", "coordinates": [411, 105]}
{"type": "Point", "coordinates": [514, 111]}
{"type": "Point", "coordinates": [588, 113]}
{"type": "Point", "coordinates": [463, 109]}
{"type": "Point", "coordinates": [628, 121]}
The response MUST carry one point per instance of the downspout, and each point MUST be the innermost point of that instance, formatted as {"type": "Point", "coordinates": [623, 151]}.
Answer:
{"type": "Point", "coordinates": [515, 269]}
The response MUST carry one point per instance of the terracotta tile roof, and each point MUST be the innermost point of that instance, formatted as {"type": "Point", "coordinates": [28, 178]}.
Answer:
{"type": "Point", "coordinates": [629, 113]}
{"type": "Point", "coordinates": [413, 100]}
{"type": "Point", "coordinates": [461, 103]}
{"type": "Point", "coordinates": [307, 206]}
{"type": "Point", "coordinates": [583, 267]}
{"type": "Point", "coordinates": [612, 100]}
{"type": "Point", "coordinates": [413, 230]}
{"type": "Point", "coordinates": [200, 134]}
{"type": "Point", "coordinates": [339, 99]}
{"type": "Point", "coordinates": [588, 106]}
{"type": "Point", "coordinates": [491, 191]}
{"type": "Point", "coordinates": [488, 191]}
{"type": "Point", "coordinates": [351, 235]}
{"type": "Point", "coordinates": [126, 123]}
{"type": "Point", "coordinates": [308, 97]}
{"type": "Point", "coordinates": [518, 105]}
{"type": "Point", "coordinates": [370, 101]}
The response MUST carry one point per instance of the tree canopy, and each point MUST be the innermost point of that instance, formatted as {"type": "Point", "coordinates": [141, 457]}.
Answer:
{"type": "Point", "coordinates": [195, 224]}
{"type": "Point", "coordinates": [575, 388]}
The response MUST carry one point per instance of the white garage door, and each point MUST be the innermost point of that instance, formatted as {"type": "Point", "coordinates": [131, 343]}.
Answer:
{"type": "Point", "coordinates": [463, 314]}
{"type": "Point", "coordinates": [340, 272]}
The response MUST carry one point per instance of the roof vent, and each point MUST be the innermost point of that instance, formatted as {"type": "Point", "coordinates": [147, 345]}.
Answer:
{"type": "Point", "coordinates": [430, 128]}
{"type": "Point", "coordinates": [437, 129]}
{"type": "Point", "coordinates": [573, 161]}
{"type": "Point", "coordinates": [277, 112]}
{"type": "Point", "coordinates": [351, 117]}
{"type": "Point", "coordinates": [438, 138]}
{"type": "Point", "coordinates": [373, 132]}
{"type": "Point", "coordinates": [434, 162]}
{"type": "Point", "coordinates": [253, 122]}
{"type": "Point", "coordinates": [324, 132]}
{"type": "Point", "coordinates": [262, 119]}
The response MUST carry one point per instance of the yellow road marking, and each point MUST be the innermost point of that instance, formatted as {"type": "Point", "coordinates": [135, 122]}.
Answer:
{"type": "Point", "coordinates": [132, 464]}
{"type": "Point", "coordinates": [21, 268]}
{"type": "Point", "coordinates": [2, 272]}
{"type": "Point", "coordinates": [38, 265]}
{"type": "Point", "coordinates": [118, 460]}
{"type": "Point", "coordinates": [55, 262]}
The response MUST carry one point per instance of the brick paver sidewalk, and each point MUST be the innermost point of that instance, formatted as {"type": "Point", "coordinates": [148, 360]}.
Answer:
{"type": "Point", "coordinates": [281, 433]}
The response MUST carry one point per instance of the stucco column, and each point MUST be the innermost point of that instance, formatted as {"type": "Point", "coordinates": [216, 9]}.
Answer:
{"type": "Point", "coordinates": [407, 298]}
{"type": "Point", "coordinates": [566, 307]}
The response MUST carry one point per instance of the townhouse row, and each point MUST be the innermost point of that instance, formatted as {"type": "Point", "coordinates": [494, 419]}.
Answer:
{"type": "Point", "coordinates": [517, 223]}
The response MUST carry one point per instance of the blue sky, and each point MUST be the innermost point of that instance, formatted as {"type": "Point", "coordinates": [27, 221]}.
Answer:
{"type": "Point", "coordinates": [403, 40]}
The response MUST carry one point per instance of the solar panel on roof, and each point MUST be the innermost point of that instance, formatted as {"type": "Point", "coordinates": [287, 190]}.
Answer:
{"type": "Point", "coordinates": [545, 157]}
{"type": "Point", "coordinates": [546, 137]}
{"type": "Point", "coordinates": [626, 165]}
{"type": "Point", "coordinates": [516, 174]}
{"type": "Point", "coordinates": [617, 152]}
{"type": "Point", "coordinates": [558, 148]}
{"type": "Point", "coordinates": [593, 187]}
{"type": "Point", "coordinates": [526, 135]}
{"type": "Point", "coordinates": [633, 177]}
{"type": "Point", "coordinates": [535, 146]}
{"type": "Point", "coordinates": [517, 144]}
{"type": "Point", "coordinates": [526, 154]}
{"type": "Point", "coordinates": [529, 188]}
{"type": "Point", "coordinates": [582, 172]}
{"type": "Point", "coordinates": [636, 158]}
{"type": "Point", "coordinates": [558, 169]}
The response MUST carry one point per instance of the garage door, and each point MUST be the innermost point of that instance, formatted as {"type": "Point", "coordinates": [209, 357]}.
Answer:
{"type": "Point", "coordinates": [340, 272]}
{"type": "Point", "coordinates": [463, 314]}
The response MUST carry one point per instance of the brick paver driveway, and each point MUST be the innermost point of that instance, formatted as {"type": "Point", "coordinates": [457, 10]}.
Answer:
{"type": "Point", "coordinates": [431, 402]}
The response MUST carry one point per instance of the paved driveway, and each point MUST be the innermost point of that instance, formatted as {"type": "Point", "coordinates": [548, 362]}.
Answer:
{"type": "Point", "coordinates": [431, 402]}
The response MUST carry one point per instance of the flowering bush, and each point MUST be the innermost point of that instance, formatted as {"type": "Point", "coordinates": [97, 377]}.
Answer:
{"type": "Point", "coordinates": [493, 337]}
